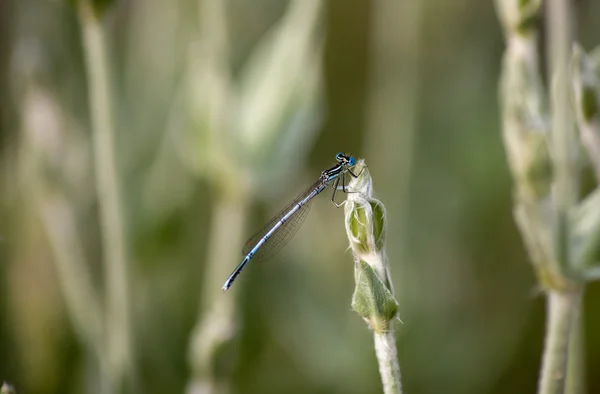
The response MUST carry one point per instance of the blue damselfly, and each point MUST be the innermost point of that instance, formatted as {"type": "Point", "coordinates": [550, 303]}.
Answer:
{"type": "Point", "coordinates": [282, 227]}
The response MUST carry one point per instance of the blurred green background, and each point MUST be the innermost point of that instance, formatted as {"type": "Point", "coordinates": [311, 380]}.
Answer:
{"type": "Point", "coordinates": [225, 110]}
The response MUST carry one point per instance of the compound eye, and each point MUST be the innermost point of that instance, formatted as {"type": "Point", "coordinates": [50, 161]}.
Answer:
{"type": "Point", "coordinates": [352, 162]}
{"type": "Point", "coordinates": [339, 156]}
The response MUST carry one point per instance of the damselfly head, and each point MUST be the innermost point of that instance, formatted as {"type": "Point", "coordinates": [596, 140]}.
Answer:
{"type": "Point", "coordinates": [344, 159]}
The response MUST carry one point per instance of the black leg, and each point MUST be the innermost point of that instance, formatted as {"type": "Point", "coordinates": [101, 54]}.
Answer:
{"type": "Point", "coordinates": [343, 188]}
{"type": "Point", "coordinates": [335, 186]}
{"type": "Point", "coordinates": [353, 174]}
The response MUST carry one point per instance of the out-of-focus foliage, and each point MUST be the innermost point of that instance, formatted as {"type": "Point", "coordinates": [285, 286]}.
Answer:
{"type": "Point", "coordinates": [100, 6]}
{"type": "Point", "coordinates": [472, 318]}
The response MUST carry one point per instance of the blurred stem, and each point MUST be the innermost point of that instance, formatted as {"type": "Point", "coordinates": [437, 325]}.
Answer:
{"type": "Point", "coordinates": [575, 383]}
{"type": "Point", "coordinates": [216, 325]}
{"type": "Point", "coordinates": [562, 304]}
{"type": "Point", "coordinates": [562, 312]}
{"type": "Point", "coordinates": [119, 346]}
{"type": "Point", "coordinates": [543, 221]}
{"type": "Point", "coordinates": [84, 308]}
{"type": "Point", "coordinates": [560, 38]}
{"type": "Point", "coordinates": [7, 389]}
{"type": "Point", "coordinates": [58, 218]}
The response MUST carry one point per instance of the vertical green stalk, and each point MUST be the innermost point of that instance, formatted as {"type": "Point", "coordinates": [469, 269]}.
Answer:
{"type": "Point", "coordinates": [586, 89]}
{"type": "Point", "coordinates": [389, 368]}
{"type": "Point", "coordinates": [211, 341]}
{"type": "Point", "coordinates": [564, 149]}
{"type": "Point", "coordinates": [119, 346]}
{"type": "Point", "coordinates": [373, 296]}
{"type": "Point", "coordinates": [544, 166]}
{"type": "Point", "coordinates": [562, 312]}
{"type": "Point", "coordinates": [563, 304]}
{"type": "Point", "coordinates": [82, 303]}
{"type": "Point", "coordinates": [58, 218]}
{"type": "Point", "coordinates": [84, 309]}
{"type": "Point", "coordinates": [216, 327]}
{"type": "Point", "coordinates": [575, 383]}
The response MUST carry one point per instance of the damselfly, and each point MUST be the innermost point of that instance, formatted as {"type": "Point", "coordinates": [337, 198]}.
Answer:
{"type": "Point", "coordinates": [279, 230]}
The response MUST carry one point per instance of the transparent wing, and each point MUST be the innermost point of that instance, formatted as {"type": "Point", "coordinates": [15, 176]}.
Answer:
{"type": "Point", "coordinates": [284, 233]}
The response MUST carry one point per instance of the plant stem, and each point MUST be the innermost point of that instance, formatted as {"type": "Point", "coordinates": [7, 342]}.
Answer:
{"type": "Point", "coordinates": [83, 306]}
{"type": "Point", "coordinates": [544, 199]}
{"type": "Point", "coordinates": [82, 303]}
{"type": "Point", "coordinates": [385, 348]}
{"type": "Point", "coordinates": [58, 218]}
{"type": "Point", "coordinates": [560, 38]}
{"type": "Point", "coordinates": [216, 323]}
{"type": "Point", "coordinates": [562, 304]}
{"type": "Point", "coordinates": [562, 310]}
{"type": "Point", "coordinates": [119, 346]}
{"type": "Point", "coordinates": [385, 341]}
{"type": "Point", "coordinates": [373, 298]}
{"type": "Point", "coordinates": [575, 383]}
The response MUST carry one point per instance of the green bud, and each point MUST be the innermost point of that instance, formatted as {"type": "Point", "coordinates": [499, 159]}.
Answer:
{"type": "Point", "coordinates": [365, 215]}
{"type": "Point", "coordinates": [358, 229]}
{"type": "Point", "coordinates": [100, 7]}
{"type": "Point", "coordinates": [372, 299]}
{"type": "Point", "coordinates": [521, 16]}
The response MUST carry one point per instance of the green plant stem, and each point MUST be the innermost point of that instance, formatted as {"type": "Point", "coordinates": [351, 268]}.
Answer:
{"type": "Point", "coordinates": [385, 341]}
{"type": "Point", "coordinates": [560, 38]}
{"type": "Point", "coordinates": [119, 346]}
{"type": "Point", "coordinates": [525, 133]}
{"type": "Point", "coordinates": [373, 298]}
{"type": "Point", "coordinates": [575, 383]}
{"type": "Point", "coordinates": [563, 305]}
{"type": "Point", "coordinates": [562, 310]}
{"type": "Point", "coordinates": [544, 222]}
{"type": "Point", "coordinates": [83, 306]}
{"type": "Point", "coordinates": [58, 218]}
{"type": "Point", "coordinates": [385, 349]}
{"type": "Point", "coordinates": [216, 325]}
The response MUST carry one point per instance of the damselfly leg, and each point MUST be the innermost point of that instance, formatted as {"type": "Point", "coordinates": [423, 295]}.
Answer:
{"type": "Point", "coordinates": [335, 186]}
